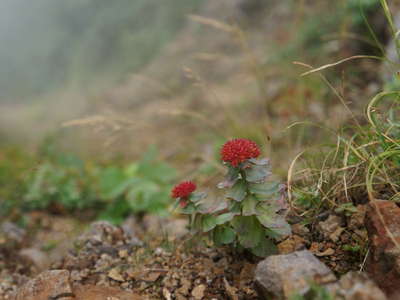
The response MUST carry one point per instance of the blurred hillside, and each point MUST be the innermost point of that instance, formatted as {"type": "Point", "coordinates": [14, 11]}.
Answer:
{"type": "Point", "coordinates": [47, 45]}
{"type": "Point", "coordinates": [121, 77]}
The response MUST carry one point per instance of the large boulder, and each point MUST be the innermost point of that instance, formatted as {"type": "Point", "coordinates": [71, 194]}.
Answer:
{"type": "Point", "coordinates": [280, 276]}
{"type": "Point", "coordinates": [383, 263]}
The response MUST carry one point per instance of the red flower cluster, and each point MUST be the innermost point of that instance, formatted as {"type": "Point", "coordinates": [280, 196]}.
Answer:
{"type": "Point", "coordinates": [238, 150]}
{"type": "Point", "coordinates": [183, 190]}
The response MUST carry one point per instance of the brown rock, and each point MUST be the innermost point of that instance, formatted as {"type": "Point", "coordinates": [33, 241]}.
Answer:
{"type": "Point", "coordinates": [300, 229]}
{"type": "Point", "coordinates": [357, 219]}
{"type": "Point", "coordinates": [116, 275]}
{"type": "Point", "coordinates": [327, 252]}
{"type": "Point", "coordinates": [166, 294]}
{"type": "Point", "coordinates": [47, 285]}
{"type": "Point", "coordinates": [331, 227]}
{"type": "Point", "coordinates": [185, 286]}
{"type": "Point", "coordinates": [198, 292]}
{"type": "Point", "coordinates": [280, 276]}
{"type": "Point", "coordinates": [314, 248]}
{"type": "Point", "coordinates": [92, 292]}
{"type": "Point", "coordinates": [383, 226]}
{"type": "Point", "coordinates": [334, 236]}
{"type": "Point", "coordinates": [230, 290]}
{"type": "Point", "coordinates": [291, 244]}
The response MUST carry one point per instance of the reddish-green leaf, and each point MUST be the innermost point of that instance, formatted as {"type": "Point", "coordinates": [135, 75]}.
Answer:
{"type": "Point", "coordinates": [249, 206]}
{"type": "Point", "coordinates": [257, 173]}
{"type": "Point", "coordinates": [238, 192]}
{"type": "Point", "coordinates": [230, 178]}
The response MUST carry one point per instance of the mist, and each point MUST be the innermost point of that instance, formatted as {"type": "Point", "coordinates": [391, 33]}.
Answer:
{"type": "Point", "coordinates": [49, 45]}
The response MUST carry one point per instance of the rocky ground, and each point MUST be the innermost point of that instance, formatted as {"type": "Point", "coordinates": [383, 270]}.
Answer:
{"type": "Point", "coordinates": [353, 257]}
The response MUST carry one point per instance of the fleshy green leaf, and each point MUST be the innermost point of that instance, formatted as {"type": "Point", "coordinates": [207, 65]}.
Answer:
{"type": "Point", "coordinates": [223, 235]}
{"type": "Point", "coordinates": [196, 197]}
{"type": "Point", "coordinates": [222, 219]}
{"type": "Point", "coordinates": [276, 223]}
{"type": "Point", "coordinates": [260, 162]}
{"type": "Point", "coordinates": [256, 173]}
{"type": "Point", "coordinates": [249, 206]}
{"type": "Point", "coordinates": [264, 248]}
{"type": "Point", "coordinates": [265, 189]}
{"type": "Point", "coordinates": [266, 216]}
{"type": "Point", "coordinates": [208, 206]}
{"type": "Point", "coordinates": [238, 192]}
{"type": "Point", "coordinates": [208, 223]}
{"type": "Point", "coordinates": [235, 207]}
{"type": "Point", "coordinates": [188, 209]}
{"type": "Point", "coordinates": [272, 193]}
{"type": "Point", "coordinates": [230, 178]}
{"type": "Point", "coordinates": [282, 228]}
{"type": "Point", "coordinates": [249, 230]}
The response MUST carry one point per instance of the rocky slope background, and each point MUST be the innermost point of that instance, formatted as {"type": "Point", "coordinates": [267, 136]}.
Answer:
{"type": "Point", "coordinates": [226, 72]}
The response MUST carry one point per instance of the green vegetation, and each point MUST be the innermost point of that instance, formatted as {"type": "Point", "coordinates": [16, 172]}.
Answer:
{"type": "Point", "coordinates": [346, 20]}
{"type": "Point", "coordinates": [65, 183]}
{"type": "Point", "coordinates": [363, 158]}
{"type": "Point", "coordinates": [251, 213]}
{"type": "Point", "coordinates": [316, 292]}
{"type": "Point", "coordinates": [363, 163]}
{"type": "Point", "coordinates": [55, 43]}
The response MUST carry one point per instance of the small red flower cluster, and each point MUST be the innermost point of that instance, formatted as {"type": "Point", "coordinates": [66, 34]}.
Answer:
{"type": "Point", "coordinates": [183, 190]}
{"type": "Point", "coordinates": [238, 150]}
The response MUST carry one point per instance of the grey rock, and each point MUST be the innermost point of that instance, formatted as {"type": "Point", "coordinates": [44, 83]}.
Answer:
{"type": "Point", "coordinates": [102, 233]}
{"type": "Point", "coordinates": [36, 256]}
{"type": "Point", "coordinates": [174, 228]}
{"type": "Point", "coordinates": [105, 234]}
{"type": "Point", "coordinates": [356, 286]}
{"type": "Point", "coordinates": [280, 276]}
{"type": "Point", "coordinates": [13, 232]}
{"type": "Point", "coordinates": [129, 226]}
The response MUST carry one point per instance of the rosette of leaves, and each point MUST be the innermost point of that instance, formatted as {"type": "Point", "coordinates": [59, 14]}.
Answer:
{"type": "Point", "coordinates": [252, 213]}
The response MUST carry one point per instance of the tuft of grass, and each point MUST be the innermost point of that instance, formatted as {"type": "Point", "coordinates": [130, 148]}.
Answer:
{"type": "Point", "coordinates": [362, 165]}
